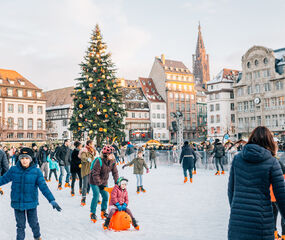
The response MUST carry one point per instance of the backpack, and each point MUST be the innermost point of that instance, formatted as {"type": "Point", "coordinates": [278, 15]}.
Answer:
{"type": "Point", "coordinates": [93, 162]}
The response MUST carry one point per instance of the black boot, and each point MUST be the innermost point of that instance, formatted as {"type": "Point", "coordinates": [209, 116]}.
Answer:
{"type": "Point", "coordinates": [138, 190]}
{"type": "Point", "coordinates": [104, 214]}
{"type": "Point", "coordinates": [93, 217]}
{"type": "Point", "coordinates": [72, 192]}
{"type": "Point", "coordinates": [135, 224]}
{"type": "Point", "coordinates": [142, 189]}
{"type": "Point", "coordinates": [106, 224]}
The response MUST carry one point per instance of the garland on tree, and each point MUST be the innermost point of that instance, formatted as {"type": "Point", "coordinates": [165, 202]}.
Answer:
{"type": "Point", "coordinates": [98, 107]}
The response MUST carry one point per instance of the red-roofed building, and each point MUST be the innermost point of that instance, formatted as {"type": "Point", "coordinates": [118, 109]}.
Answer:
{"type": "Point", "coordinates": [158, 111]}
{"type": "Point", "coordinates": [175, 83]}
{"type": "Point", "coordinates": [22, 109]}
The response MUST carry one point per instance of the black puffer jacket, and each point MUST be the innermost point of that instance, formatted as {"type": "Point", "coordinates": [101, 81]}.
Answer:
{"type": "Point", "coordinates": [188, 156]}
{"type": "Point", "coordinates": [4, 165]}
{"type": "Point", "coordinates": [252, 172]}
{"type": "Point", "coordinates": [75, 161]}
{"type": "Point", "coordinates": [219, 150]}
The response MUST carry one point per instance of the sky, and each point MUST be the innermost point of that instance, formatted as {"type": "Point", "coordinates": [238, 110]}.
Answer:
{"type": "Point", "coordinates": [45, 41]}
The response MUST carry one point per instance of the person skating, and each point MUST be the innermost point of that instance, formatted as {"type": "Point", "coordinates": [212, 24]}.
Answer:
{"type": "Point", "coordinates": [219, 154]}
{"type": "Point", "coordinates": [139, 164]}
{"type": "Point", "coordinates": [188, 157]}
{"type": "Point", "coordinates": [119, 202]}
{"type": "Point", "coordinates": [75, 167]}
{"type": "Point", "coordinates": [152, 157]}
{"type": "Point", "coordinates": [130, 151]}
{"type": "Point", "coordinates": [35, 154]}
{"type": "Point", "coordinates": [87, 155]}
{"type": "Point", "coordinates": [63, 156]}
{"type": "Point", "coordinates": [26, 178]}
{"type": "Point", "coordinates": [53, 168]}
{"type": "Point", "coordinates": [43, 162]}
{"type": "Point", "coordinates": [4, 166]}
{"type": "Point", "coordinates": [252, 172]}
{"type": "Point", "coordinates": [99, 180]}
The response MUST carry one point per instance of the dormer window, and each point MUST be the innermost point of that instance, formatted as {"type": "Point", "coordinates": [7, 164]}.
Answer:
{"type": "Point", "coordinates": [11, 81]}
{"type": "Point", "coordinates": [149, 83]}
{"type": "Point", "coordinates": [22, 83]}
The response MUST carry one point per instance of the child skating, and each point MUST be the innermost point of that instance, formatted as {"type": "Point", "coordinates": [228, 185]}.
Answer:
{"type": "Point", "coordinates": [139, 163]}
{"type": "Point", "coordinates": [119, 202]}
{"type": "Point", "coordinates": [26, 178]}
{"type": "Point", "coordinates": [53, 168]}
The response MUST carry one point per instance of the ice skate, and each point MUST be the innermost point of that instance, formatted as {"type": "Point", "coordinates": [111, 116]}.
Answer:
{"type": "Point", "coordinates": [104, 215]}
{"type": "Point", "coordinates": [1, 191]}
{"type": "Point", "coordinates": [283, 237]}
{"type": "Point", "coordinates": [72, 193]}
{"type": "Point", "coordinates": [99, 202]}
{"type": "Point", "coordinates": [223, 172]}
{"type": "Point", "coordinates": [138, 190]}
{"type": "Point", "coordinates": [135, 224]}
{"type": "Point", "coordinates": [185, 179]}
{"type": "Point", "coordinates": [67, 185]}
{"type": "Point", "coordinates": [83, 201]}
{"type": "Point", "coordinates": [142, 189]}
{"type": "Point", "coordinates": [80, 191]}
{"type": "Point", "coordinates": [106, 223]}
{"type": "Point", "coordinates": [194, 172]}
{"type": "Point", "coordinates": [217, 173]}
{"type": "Point", "coordinates": [38, 238]}
{"type": "Point", "coordinates": [277, 236]}
{"type": "Point", "coordinates": [93, 217]}
{"type": "Point", "coordinates": [191, 180]}
{"type": "Point", "coordinates": [59, 187]}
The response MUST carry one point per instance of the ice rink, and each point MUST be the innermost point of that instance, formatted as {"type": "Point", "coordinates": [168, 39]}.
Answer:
{"type": "Point", "coordinates": [169, 210]}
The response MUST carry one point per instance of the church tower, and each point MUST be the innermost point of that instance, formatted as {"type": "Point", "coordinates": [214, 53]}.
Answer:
{"type": "Point", "coordinates": [201, 68]}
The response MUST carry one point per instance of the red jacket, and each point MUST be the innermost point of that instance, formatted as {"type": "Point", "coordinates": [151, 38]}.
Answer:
{"type": "Point", "coordinates": [119, 195]}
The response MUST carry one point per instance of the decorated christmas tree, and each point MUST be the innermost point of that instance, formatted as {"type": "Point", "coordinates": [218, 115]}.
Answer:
{"type": "Point", "coordinates": [98, 108]}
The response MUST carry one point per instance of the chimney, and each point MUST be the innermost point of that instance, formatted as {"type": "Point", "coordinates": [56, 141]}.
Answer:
{"type": "Point", "coordinates": [163, 59]}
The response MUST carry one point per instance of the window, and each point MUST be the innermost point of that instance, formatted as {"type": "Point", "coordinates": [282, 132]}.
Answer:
{"type": "Point", "coordinates": [187, 97]}
{"type": "Point", "coordinates": [10, 135]}
{"type": "Point", "coordinates": [240, 122]}
{"type": "Point", "coordinates": [10, 123]}
{"type": "Point", "coordinates": [279, 85]}
{"type": "Point", "coordinates": [158, 125]}
{"type": "Point", "coordinates": [20, 108]}
{"type": "Point", "coordinates": [10, 92]}
{"type": "Point", "coordinates": [171, 95]}
{"type": "Point", "coordinates": [182, 106]}
{"type": "Point", "coordinates": [163, 125]}
{"type": "Point", "coordinates": [217, 96]}
{"type": "Point", "coordinates": [20, 123]}
{"type": "Point", "coordinates": [185, 87]}
{"type": "Point", "coordinates": [39, 95]}
{"type": "Point", "coordinates": [240, 92]}
{"type": "Point", "coordinates": [64, 122]}
{"type": "Point", "coordinates": [188, 107]}
{"type": "Point", "coordinates": [232, 118]}
{"type": "Point", "coordinates": [182, 96]}
{"type": "Point", "coordinates": [172, 106]}
{"type": "Point", "coordinates": [177, 107]}
{"type": "Point", "coordinates": [158, 116]}
{"type": "Point", "coordinates": [20, 92]}
{"type": "Point", "coordinates": [192, 97]}
{"type": "Point", "coordinates": [40, 109]}
{"type": "Point", "coordinates": [211, 96]}
{"type": "Point", "coordinates": [30, 123]}
{"type": "Point", "coordinates": [258, 120]}
{"type": "Point", "coordinates": [248, 65]}
{"type": "Point", "coordinates": [257, 88]}
{"type": "Point", "coordinates": [193, 106]}
{"type": "Point", "coordinates": [20, 135]}
{"type": "Point", "coordinates": [187, 116]}
{"type": "Point", "coordinates": [176, 97]}
{"type": "Point", "coordinates": [249, 90]}
{"type": "Point", "coordinates": [252, 122]}
{"type": "Point", "coordinates": [265, 61]}
{"type": "Point", "coordinates": [22, 83]}
{"type": "Point", "coordinates": [29, 93]}
{"type": "Point", "coordinates": [30, 109]}
{"type": "Point", "coordinates": [239, 106]}
{"type": "Point", "coordinates": [232, 106]}
{"type": "Point", "coordinates": [217, 107]}
{"type": "Point", "coordinates": [256, 62]}
{"type": "Point", "coordinates": [218, 118]}
{"type": "Point", "coordinates": [163, 115]}
{"type": "Point", "coordinates": [212, 107]}
{"type": "Point", "coordinates": [267, 121]}
{"type": "Point", "coordinates": [266, 102]}
{"type": "Point", "coordinates": [280, 101]}
{"type": "Point", "coordinates": [266, 73]}
{"type": "Point", "coordinates": [180, 87]}
{"type": "Point", "coordinates": [251, 105]}
{"type": "Point", "coordinates": [39, 124]}
{"type": "Point", "coordinates": [248, 76]}
{"type": "Point", "coordinates": [10, 108]}
{"type": "Point", "coordinates": [274, 120]}
{"type": "Point", "coordinates": [30, 135]}
{"type": "Point", "coordinates": [267, 87]}
{"type": "Point", "coordinates": [212, 119]}
{"type": "Point", "coordinates": [158, 107]}
{"type": "Point", "coordinates": [232, 95]}
{"type": "Point", "coordinates": [245, 106]}
{"type": "Point", "coordinates": [133, 115]}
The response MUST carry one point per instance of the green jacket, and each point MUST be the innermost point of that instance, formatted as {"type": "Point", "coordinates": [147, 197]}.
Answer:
{"type": "Point", "coordinates": [86, 159]}
{"type": "Point", "coordinates": [138, 163]}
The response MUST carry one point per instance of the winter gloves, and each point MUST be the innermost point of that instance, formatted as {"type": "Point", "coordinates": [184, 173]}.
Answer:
{"type": "Point", "coordinates": [55, 206]}
{"type": "Point", "coordinates": [101, 187]}
{"type": "Point", "coordinates": [124, 206]}
{"type": "Point", "coordinates": [147, 171]}
{"type": "Point", "coordinates": [1, 192]}
{"type": "Point", "coordinates": [118, 206]}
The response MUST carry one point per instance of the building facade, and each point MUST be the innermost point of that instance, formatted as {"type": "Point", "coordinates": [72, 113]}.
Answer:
{"type": "Point", "coordinates": [137, 121]}
{"type": "Point", "coordinates": [221, 106]}
{"type": "Point", "coordinates": [58, 113]}
{"type": "Point", "coordinates": [22, 107]}
{"type": "Point", "coordinates": [200, 60]}
{"type": "Point", "coordinates": [201, 113]}
{"type": "Point", "coordinates": [175, 83]}
{"type": "Point", "coordinates": [158, 111]}
{"type": "Point", "coordinates": [260, 91]}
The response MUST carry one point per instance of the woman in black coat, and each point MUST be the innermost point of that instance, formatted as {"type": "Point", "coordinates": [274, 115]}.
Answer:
{"type": "Point", "coordinates": [252, 172]}
{"type": "Point", "coordinates": [75, 167]}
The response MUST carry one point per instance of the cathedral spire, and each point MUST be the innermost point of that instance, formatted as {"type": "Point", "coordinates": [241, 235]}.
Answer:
{"type": "Point", "coordinates": [201, 61]}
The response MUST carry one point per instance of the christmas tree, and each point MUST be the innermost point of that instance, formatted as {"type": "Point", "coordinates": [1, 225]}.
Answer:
{"type": "Point", "coordinates": [98, 108]}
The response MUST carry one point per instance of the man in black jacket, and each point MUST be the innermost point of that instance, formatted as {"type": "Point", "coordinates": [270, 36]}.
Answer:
{"type": "Point", "coordinates": [43, 160]}
{"type": "Point", "coordinates": [188, 156]}
{"type": "Point", "coordinates": [219, 151]}
{"type": "Point", "coordinates": [63, 156]}
{"type": "Point", "coordinates": [4, 165]}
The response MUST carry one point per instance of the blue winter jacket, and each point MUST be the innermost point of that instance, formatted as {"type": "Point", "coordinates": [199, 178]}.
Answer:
{"type": "Point", "coordinates": [252, 172]}
{"type": "Point", "coordinates": [53, 164]}
{"type": "Point", "coordinates": [25, 184]}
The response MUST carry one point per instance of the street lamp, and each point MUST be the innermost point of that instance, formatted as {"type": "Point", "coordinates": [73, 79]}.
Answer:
{"type": "Point", "coordinates": [179, 119]}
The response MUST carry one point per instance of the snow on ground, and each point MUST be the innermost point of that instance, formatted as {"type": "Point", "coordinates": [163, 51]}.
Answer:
{"type": "Point", "coordinates": [169, 210]}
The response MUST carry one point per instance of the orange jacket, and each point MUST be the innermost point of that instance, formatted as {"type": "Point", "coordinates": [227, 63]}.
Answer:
{"type": "Point", "coordinates": [273, 199]}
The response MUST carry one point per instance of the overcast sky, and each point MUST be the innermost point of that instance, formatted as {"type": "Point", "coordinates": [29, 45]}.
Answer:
{"type": "Point", "coordinates": [46, 40]}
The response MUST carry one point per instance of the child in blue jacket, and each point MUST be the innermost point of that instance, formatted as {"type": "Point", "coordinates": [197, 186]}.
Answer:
{"type": "Point", "coordinates": [53, 168]}
{"type": "Point", "coordinates": [26, 178]}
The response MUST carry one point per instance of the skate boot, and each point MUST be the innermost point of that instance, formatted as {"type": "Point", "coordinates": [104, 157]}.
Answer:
{"type": "Point", "coordinates": [276, 235]}
{"type": "Point", "coordinates": [93, 217]}
{"type": "Point", "coordinates": [59, 186]}
{"type": "Point", "coordinates": [138, 190]}
{"type": "Point", "coordinates": [72, 193]}
{"type": "Point", "coordinates": [283, 237]}
{"type": "Point", "coordinates": [104, 215]}
{"type": "Point", "coordinates": [217, 173]}
{"type": "Point", "coordinates": [191, 180]}
{"type": "Point", "coordinates": [142, 189]}
{"type": "Point", "coordinates": [38, 238]}
{"type": "Point", "coordinates": [1, 191]}
{"type": "Point", "coordinates": [83, 201]}
{"type": "Point", "coordinates": [106, 223]}
{"type": "Point", "coordinates": [185, 179]}
{"type": "Point", "coordinates": [67, 185]}
{"type": "Point", "coordinates": [135, 224]}
{"type": "Point", "coordinates": [194, 172]}
{"type": "Point", "coordinates": [223, 172]}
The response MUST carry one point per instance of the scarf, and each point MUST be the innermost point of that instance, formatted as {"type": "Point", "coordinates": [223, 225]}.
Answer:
{"type": "Point", "coordinates": [90, 149]}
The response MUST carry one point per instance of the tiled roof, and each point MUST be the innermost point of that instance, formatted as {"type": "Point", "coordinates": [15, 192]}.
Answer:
{"type": "Point", "coordinates": [226, 75]}
{"type": "Point", "coordinates": [174, 66]}
{"type": "Point", "coordinates": [149, 90]}
{"type": "Point", "coordinates": [58, 97]}
{"type": "Point", "coordinates": [9, 77]}
{"type": "Point", "coordinates": [133, 94]}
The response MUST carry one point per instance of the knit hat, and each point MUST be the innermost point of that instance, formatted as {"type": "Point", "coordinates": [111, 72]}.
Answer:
{"type": "Point", "coordinates": [34, 145]}
{"type": "Point", "coordinates": [122, 180]}
{"type": "Point", "coordinates": [26, 153]}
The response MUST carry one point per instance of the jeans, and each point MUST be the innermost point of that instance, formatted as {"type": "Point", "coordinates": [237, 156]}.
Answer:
{"type": "Point", "coordinates": [114, 209]}
{"type": "Point", "coordinates": [275, 214]}
{"type": "Point", "coordinates": [62, 169]}
{"type": "Point", "coordinates": [139, 180]}
{"type": "Point", "coordinates": [54, 172]}
{"type": "Point", "coordinates": [96, 191]}
{"type": "Point", "coordinates": [154, 161]}
{"type": "Point", "coordinates": [32, 220]}
{"type": "Point", "coordinates": [44, 169]}
{"type": "Point", "coordinates": [190, 169]}
{"type": "Point", "coordinates": [85, 185]}
{"type": "Point", "coordinates": [73, 177]}
{"type": "Point", "coordinates": [219, 162]}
